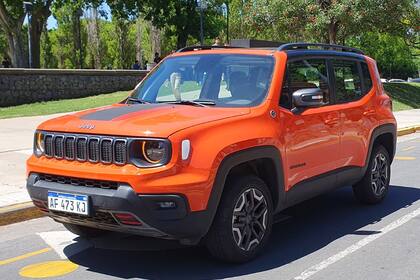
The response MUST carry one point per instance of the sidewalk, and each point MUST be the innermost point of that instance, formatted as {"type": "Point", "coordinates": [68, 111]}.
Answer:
{"type": "Point", "coordinates": [16, 147]}
{"type": "Point", "coordinates": [407, 118]}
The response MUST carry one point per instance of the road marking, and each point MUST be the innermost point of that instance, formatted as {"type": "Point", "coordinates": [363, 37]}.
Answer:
{"type": "Point", "coordinates": [48, 269]}
{"type": "Point", "coordinates": [353, 248]}
{"type": "Point", "coordinates": [404, 158]}
{"type": "Point", "coordinates": [25, 256]}
{"type": "Point", "coordinates": [408, 148]}
{"type": "Point", "coordinates": [60, 240]}
{"type": "Point", "coordinates": [24, 151]}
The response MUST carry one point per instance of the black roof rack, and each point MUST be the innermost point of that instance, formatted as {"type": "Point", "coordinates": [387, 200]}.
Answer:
{"type": "Point", "coordinates": [196, 48]}
{"type": "Point", "coordinates": [305, 46]}
{"type": "Point", "coordinates": [245, 43]}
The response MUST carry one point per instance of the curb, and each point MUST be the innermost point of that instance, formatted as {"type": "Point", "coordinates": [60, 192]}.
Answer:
{"type": "Point", "coordinates": [27, 211]}
{"type": "Point", "coordinates": [19, 212]}
{"type": "Point", "coordinates": [408, 130]}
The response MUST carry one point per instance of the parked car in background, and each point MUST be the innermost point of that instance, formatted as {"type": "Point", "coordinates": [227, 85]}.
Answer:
{"type": "Point", "coordinates": [396, 81]}
{"type": "Point", "coordinates": [413, 80]}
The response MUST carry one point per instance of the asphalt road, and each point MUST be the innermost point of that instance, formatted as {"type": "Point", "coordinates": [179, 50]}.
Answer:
{"type": "Point", "coordinates": [329, 237]}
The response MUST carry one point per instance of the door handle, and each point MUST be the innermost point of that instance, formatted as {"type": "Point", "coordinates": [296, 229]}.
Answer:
{"type": "Point", "coordinates": [369, 113]}
{"type": "Point", "coordinates": [332, 121]}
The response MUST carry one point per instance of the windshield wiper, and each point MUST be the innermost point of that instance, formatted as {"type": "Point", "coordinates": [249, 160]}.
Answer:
{"type": "Point", "coordinates": [198, 102]}
{"type": "Point", "coordinates": [136, 100]}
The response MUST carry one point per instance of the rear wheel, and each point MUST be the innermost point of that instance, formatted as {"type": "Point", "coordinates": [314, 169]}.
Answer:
{"type": "Point", "coordinates": [84, 231]}
{"type": "Point", "coordinates": [242, 225]}
{"type": "Point", "coordinates": [374, 185]}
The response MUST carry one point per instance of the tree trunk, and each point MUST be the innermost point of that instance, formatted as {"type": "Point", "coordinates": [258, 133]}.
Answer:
{"type": "Point", "coordinates": [181, 39]}
{"type": "Point", "coordinates": [77, 41]}
{"type": "Point", "coordinates": [332, 32]}
{"type": "Point", "coordinates": [122, 31]}
{"type": "Point", "coordinates": [13, 29]}
{"type": "Point", "coordinates": [93, 39]}
{"type": "Point", "coordinates": [39, 18]}
{"type": "Point", "coordinates": [139, 55]}
{"type": "Point", "coordinates": [16, 49]}
{"type": "Point", "coordinates": [155, 38]}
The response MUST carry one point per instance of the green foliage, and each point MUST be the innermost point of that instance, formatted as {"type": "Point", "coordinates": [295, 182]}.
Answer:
{"type": "Point", "coordinates": [183, 18]}
{"type": "Point", "coordinates": [392, 54]}
{"type": "Point", "coordinates": [405, 96]}
{"type": "Point", "coordinates": [328, 21]}
{"type": "Point", "coordinates": [61, 106]}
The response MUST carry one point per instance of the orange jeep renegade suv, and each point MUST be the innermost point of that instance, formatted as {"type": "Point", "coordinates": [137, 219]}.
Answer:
{"type": "Point", "coordinates": [217, 140]}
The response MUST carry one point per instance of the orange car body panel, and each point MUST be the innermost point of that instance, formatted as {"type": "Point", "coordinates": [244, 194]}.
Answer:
{"type": "Point", "coordinates": [215, 133]}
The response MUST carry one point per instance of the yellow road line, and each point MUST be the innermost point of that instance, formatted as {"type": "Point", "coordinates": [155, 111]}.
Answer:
{"type": "Point", "coordinates": [404, 158]}
{"type": "Point", "coordinates": [25, 256]}
{"type": "Point", "coordinates": [408, 148]}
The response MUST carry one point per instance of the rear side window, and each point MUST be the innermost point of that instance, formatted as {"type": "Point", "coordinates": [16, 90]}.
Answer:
{"type": "Point", "coordinates": [347, 80]}
{"type": "Point", "coordinates": [367, 80]}
{"type": "Point", "coordinates": [307, 73]}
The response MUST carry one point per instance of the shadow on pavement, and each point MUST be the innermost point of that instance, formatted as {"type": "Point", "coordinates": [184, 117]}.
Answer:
{"type": "Point", "coordinates": [313, 225]}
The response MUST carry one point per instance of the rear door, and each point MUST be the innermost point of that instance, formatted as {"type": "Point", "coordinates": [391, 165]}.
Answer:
{"type": "Point", "coordinates": [354, 96]}
{"type": "Point", "coordinates": [311, 137]}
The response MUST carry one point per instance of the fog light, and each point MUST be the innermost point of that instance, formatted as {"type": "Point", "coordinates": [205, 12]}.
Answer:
{"type": "Point", "coordinates": [166, 204]}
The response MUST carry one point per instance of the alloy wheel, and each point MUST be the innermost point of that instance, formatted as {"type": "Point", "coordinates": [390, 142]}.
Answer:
{"type": "Point", "coordinates": [379, 174]}
{"type": "Point", "coordinates": [249, 221]}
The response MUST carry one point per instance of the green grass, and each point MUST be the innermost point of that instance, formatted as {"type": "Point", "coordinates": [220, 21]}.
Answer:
{"type": "Point", "coordinates": [61, 106]}
{"type": "Point", "coordinates": [405, 96]}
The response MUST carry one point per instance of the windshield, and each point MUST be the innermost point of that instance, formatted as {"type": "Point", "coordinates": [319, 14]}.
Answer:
{"type": "Point", "coordinates": [226, 80]}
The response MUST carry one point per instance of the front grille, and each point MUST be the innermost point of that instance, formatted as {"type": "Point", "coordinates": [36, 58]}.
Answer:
{"type": "Point", "coordinates": [98, 217]}
{"type": "Point", "coordinates": [86, 148]}
{"type": "Point", "coordinates": [79, 181]}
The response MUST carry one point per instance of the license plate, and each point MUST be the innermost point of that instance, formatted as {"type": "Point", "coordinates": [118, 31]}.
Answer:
{"type": "Point", "coordinates": [71, 203]}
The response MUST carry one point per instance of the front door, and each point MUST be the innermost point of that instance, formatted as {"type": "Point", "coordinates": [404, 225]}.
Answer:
{"type": "Point", "coordinates": [311, 137]}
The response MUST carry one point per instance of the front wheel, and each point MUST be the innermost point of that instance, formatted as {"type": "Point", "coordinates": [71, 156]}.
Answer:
{"type": "Point", "coordinates": [242, 225]}
{"type": "Point", "coordinates": [374, 185]}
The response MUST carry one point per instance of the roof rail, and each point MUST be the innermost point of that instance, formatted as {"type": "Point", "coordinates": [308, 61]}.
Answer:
{"type": "Point", "coordinates": [196, 48]}
{"type": "Point", "coordinates": [298, 46]}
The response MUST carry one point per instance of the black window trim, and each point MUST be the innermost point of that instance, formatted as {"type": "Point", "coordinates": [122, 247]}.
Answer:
{"type": "Point", "coordinates": [330, 72]}
{"type": "Point", "coordinates": [286, 75]}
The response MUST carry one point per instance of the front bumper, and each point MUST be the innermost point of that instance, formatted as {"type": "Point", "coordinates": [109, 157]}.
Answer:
{"type": "Point", "coordinates": [174, 223]}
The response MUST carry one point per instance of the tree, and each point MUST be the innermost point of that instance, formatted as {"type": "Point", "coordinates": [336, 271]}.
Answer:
{"type": "Point", "coordinates": [182, 15]}
{"type": "Point", "coordinates": [41, 12]}
{"type": "Point", "coordinates": [11, 21]}
{"type": "Point", "coordinates": [331, 21]}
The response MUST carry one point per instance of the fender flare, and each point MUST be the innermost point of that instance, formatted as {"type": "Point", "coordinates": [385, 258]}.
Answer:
{"type": "Point", "coordinates": [378, 131]}
{"type": "Point", "coordinates": [243, 156]}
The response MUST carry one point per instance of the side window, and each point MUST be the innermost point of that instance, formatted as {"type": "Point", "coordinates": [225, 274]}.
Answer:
{"type": "Point", "coordinates": [347, 80]}
{"type": "Point", "coordinates": [308, 73]}
{"type": "Point", "coordinates": [367, 80]}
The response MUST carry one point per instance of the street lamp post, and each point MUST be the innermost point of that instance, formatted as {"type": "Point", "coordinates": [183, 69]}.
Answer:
{"type": "Point", "coordinates": [27, 6]}
{"type": "Point", "coordinates": [202, 5]}
{"type": "Point", "coordinates": [225, 11]}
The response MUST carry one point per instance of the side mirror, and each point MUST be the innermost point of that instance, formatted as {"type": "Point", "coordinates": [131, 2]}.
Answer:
{"type": "Point", "coordinates": [308, 98]}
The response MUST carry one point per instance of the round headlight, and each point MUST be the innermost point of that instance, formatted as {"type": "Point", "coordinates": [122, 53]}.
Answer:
{"type": "Point", "coordinates": [39, 143]}
{"type": "Point", "coordinates": [153, 151]}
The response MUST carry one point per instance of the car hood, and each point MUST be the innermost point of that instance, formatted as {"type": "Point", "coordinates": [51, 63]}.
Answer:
{"type": "Point", "coordinates": [151, 120]}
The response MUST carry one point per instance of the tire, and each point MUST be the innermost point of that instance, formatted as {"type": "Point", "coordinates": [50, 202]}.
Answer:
{"type": "Point", "coordinates": [242, 225]}
{"type": "Point", "coordinates": [83, 231]}
{"type": "Point", "coordinates": [373, 187]}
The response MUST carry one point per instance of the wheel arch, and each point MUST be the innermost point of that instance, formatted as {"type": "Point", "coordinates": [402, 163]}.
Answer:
{"type": "Point", "coordinates": [261, 160]}
{"type": "Point", "coordinates": [385, 135]}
